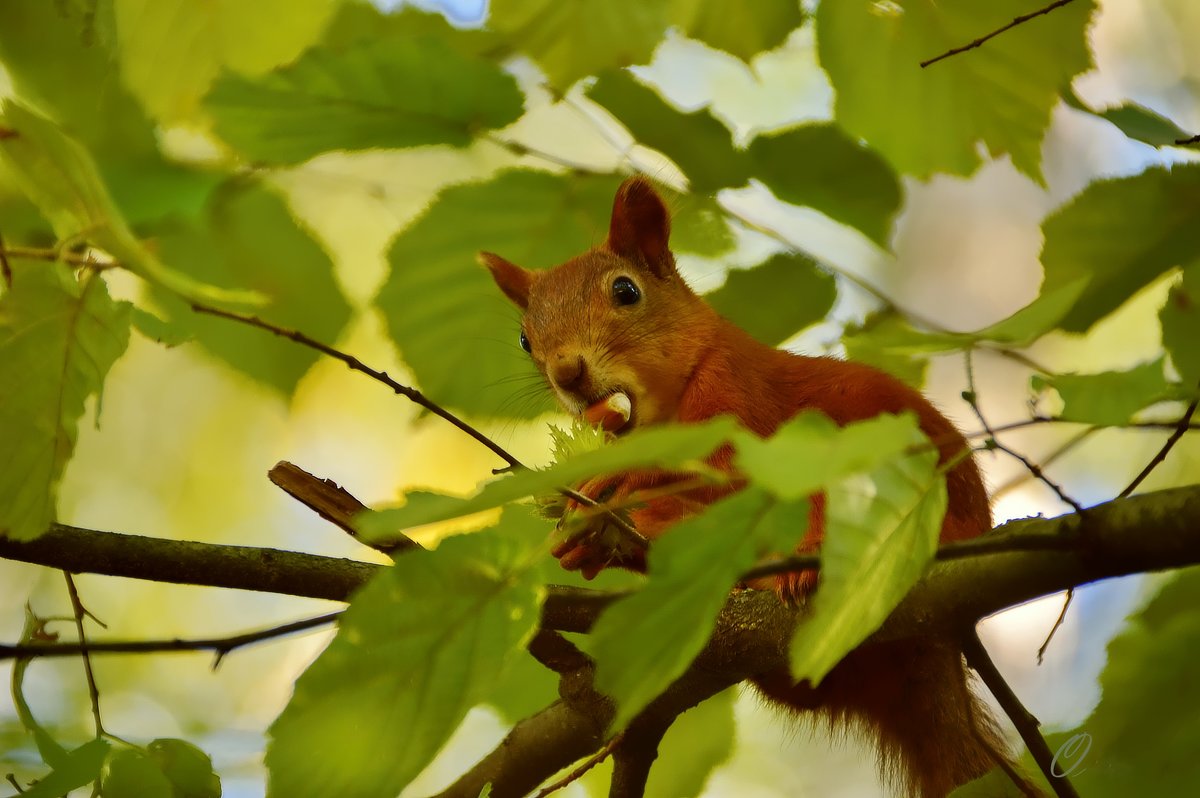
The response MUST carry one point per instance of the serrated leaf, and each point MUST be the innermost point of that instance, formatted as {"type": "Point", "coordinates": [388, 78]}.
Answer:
{"type": "Point", "coordinates": [662, 446]}
{"type": "Point", "coordinates": [1180, 318]}
{"type": "Point", "coordinates": [931, 120]}
{"type": "Point", "coordinates": [1121, 235]}
{"type": "Point", "coordinates": [810, 451]}
{"type": "Point", "coordinates": [739, 28]}
{"type": "Point", "coordinates": [698, 224]}
{"type": "Point", "coordinates": [58, 339]}
{"type": "Point", "coordinates": [818, 165]}
{"type": "Point", "coordinates": [861, 346]}
{"type": "Point", "coordinates": [572, 40]}
{"type": "Point", "coordinates": [248, 238]}
{"type": "Point", "coordinates": [60, 56]}
{"type": "Point", "coordinates": [380, 93]}
{"type": "Point", "coordinates": [1141, 738]}
{"type": "Point", "coordinates": [130, 773]}
{"type": "Point", "coordinates": [881, 529]}
{"type": "Point", "coordinates": [443, 310]}
{"type": "Point", "coordinates": [644, 642]}
{"type": "Point", "coordinates": [188, 768]}
{"type": "Point", "coordinates": [170, 50]}
{"type": "Point", "coordinates": [358, 20]}
{"type": "Point", "coordinates": [420, 645]}
{"type": "Point", "coordinates": [891, 335]}
{"type": "Point", "coordinates": [61, 178]}
{"type": "Point", "coordinates": [1136, 121]}
{"type": "Point", "coordinates": [697, 142]}
{"type": "Point", "coordinates": [1110, 398]}
{"type": "Point", "coordinates": [776, 299]}
{"type": "Point", "coordinates": [78, 768]}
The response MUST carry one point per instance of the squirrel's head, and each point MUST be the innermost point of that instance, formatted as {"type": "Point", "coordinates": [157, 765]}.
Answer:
{"type": "Point", "coordinates": [616, 320]}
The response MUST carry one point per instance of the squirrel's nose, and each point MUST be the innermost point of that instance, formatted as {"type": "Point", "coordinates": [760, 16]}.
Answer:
{"type": "Point", "coordinates": [569, 372]}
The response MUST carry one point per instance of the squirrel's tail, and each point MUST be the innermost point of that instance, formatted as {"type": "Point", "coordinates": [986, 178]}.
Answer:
{"type": "Point", "coordinates": [912, 699]}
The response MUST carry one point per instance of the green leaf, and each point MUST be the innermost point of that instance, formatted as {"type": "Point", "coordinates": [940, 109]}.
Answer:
{"type": "Point", "coordinates": [676, 447]}
{"type": "Point", "coordinates": [572, 40]}
{"type": "Point", "coordinates": [891, 336]}
{"type": "Point", "coordinates": [61, 178]}
{"type": "Point", "coordinates": [80, 767]}
{"type": "Point", "coordinates": [248, 238]}
{"type": "Point", "coordinates": [1136, 121]}
{"type": "Point", "coordinates": [881, 530]}
{"type": "Point", "coordinates": [189, 769]}
{"type": "Point", "coordinates": [420, 645]}
{"type": "Point", "coordinates": [454, 328]}
{"type": "Point", "coordinates": [1121, 235]}
{"type": "Point", "coordinates": [357, 21]}
{"type": "Point", "coordinates": [58, 339]}
{"type": "Point", "coordinates": [170, 50]}
{"type": "Point", "coordinates": [931, 120]}
{"type": "Point", "coordinates": [1141, 738]}
{"type": "Point", "coordinates": [644, 642]}
{"type": "Point", "coordinates": [776, 299]}
{"type": "Point", "coordinates": [818, 165]}
{"type": "Point", "coordinates": [698, 742]}
{"type": "Point", "coordinates": [742, 29]}
{"type": "Point", "coordinates": [698, 224]}
{"type": "Point", "coordinates": [697, 142]}
{"type": "Point", "coordinates": [861, 346]}
{"type": "Point", "coordinates": [810, 451]}
{"type": "Point", "coordinates": [1110, 398]}
{"type": "Point", "coordinates": [59, 56]}
{"type": "Point", "coordinates": [1180, 318]}
{"type": "Point", "coordinates": [130, 773]}
{"type": "Point", "coordinates": [376, 94]}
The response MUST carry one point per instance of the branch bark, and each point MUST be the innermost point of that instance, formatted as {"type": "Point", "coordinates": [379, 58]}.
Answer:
{"type": "Point", "coordinates": [1149, 532]}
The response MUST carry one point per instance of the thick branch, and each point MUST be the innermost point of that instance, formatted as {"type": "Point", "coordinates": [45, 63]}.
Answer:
{"type": "Point", "coordinates": [87, 551]}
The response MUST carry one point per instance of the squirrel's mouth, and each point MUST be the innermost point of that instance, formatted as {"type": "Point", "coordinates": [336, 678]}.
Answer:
{"type": "Point", "coordinates": [613, 412]}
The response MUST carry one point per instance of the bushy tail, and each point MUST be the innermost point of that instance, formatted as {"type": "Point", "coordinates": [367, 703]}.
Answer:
{"type": "Point", "coordinates": [912, 699]}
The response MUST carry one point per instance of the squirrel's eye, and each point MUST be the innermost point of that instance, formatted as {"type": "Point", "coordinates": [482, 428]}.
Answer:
{"type": "Point", "coordinates": [625, 291]}
{"type": "Point", "coordinates": [525, 342]}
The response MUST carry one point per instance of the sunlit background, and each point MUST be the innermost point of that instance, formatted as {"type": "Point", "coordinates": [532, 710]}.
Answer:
{"type": "Point", "coordinates": [185, 442]}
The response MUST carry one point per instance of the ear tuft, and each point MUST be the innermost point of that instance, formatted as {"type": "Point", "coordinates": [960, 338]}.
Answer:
{"type": "Point", "coordinates": [514, 281]}
{"type": "Point", "coordinates": [641, 226]}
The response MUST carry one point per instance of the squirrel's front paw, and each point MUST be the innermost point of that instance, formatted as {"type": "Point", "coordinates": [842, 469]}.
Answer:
{"type": "Point", "coordinates": [593, 538]}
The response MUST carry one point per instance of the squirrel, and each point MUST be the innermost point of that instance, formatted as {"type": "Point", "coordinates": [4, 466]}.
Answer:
{"type": "Point", "coordinates": [623, 340]}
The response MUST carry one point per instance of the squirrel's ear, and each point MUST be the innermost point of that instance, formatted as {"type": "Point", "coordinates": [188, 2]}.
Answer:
{"type": "Point", "coordinates": [641, 226]}
{"type": "Point", "coordinates": [512, 279]}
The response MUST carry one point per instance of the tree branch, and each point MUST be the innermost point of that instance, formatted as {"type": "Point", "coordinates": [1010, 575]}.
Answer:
{"type": "Point", "coordinates": [219, 645]}
{"type": "Point", "coordinates": [980, 41]}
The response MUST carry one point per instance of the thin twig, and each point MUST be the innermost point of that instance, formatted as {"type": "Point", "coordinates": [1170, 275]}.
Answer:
{"type": "Point", "coordinates": [1058, 622]}
{"type": "Point", "coordinates": [1067, 446]}
{"type": "Point", "coordinates": [218, 645]}
{"type": "Point", "coordinates": [972, 399]}
{"type": "Point", "coordinates": [412, 394]}
{"type": "Point", "coordinates": [578, 772]}
{"type": "Point", "coordinates": [1189, 140]}
{"type": "Point", "coordinates": [80, 613]}
{"type": "Point", "coordinates": [1026, 723]}
{"type": "Point", "coordinates": [5, 266]}
{"type": "Point", "coordinates": [1182, 427]}
{"type": "Point", "coordinates": [980, 41]}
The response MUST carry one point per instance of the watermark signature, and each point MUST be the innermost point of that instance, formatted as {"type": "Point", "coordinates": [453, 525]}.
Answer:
{"type": "Point", "coordinates": [1068, 759]}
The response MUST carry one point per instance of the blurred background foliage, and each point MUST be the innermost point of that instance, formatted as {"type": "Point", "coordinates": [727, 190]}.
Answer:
{"type": "Point", "coordinates": [346, 161]}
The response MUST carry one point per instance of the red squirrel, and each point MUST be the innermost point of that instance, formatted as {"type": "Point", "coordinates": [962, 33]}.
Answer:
{"type": "Point", "coordinates": [619, 321]}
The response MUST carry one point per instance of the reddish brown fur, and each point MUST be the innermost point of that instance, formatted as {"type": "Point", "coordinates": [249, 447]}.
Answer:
{"type": "Point", "coordinates": [679, 361]}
